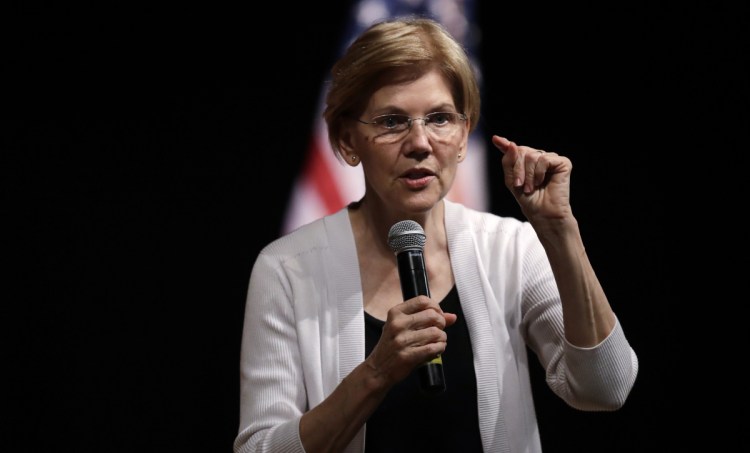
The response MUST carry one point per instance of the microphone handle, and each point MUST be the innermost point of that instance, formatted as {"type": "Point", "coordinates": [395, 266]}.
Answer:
{"type": "Point", "coordinates": [413, 276]}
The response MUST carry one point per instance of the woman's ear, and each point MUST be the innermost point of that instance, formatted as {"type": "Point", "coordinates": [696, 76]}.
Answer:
{"type": "Point", "coordinates": [346, 148]}
{"type": "Point", "coordinates": [463, 148]}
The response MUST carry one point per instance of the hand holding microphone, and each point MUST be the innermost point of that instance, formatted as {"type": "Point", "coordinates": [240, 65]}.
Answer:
{"type": "Point", "coordinates": [406, 238]}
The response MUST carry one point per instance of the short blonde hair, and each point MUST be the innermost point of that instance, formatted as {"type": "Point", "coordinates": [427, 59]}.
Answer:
{"type": "Point", "coordinates": [396, 50]}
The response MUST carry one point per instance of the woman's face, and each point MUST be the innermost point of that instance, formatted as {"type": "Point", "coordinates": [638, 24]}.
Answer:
{"type": "Point", "coordinates": [410, 165]}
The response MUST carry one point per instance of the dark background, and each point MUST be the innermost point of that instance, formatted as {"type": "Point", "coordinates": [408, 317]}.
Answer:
{"type": "Point", "coordinates": [148, 154]}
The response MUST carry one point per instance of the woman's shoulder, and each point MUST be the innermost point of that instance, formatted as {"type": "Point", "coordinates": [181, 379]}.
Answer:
{"type": "Point", "coordinates": [313, 235]}
{"type": "Point", "coordinates": [472, 230]}
{"type": "Point", "coordinates": [482, 221]}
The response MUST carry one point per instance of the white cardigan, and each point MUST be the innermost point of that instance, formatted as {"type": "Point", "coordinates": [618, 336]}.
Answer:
{"type": "Point", "coordinates": [304, 331]}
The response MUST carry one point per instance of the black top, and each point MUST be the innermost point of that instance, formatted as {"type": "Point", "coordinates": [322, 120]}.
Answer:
{"type": "Point", "coordinates": [411, 422]}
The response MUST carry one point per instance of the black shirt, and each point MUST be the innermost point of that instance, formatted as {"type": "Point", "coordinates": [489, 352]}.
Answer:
{"type": "Point", "coordinates": [410, 422]}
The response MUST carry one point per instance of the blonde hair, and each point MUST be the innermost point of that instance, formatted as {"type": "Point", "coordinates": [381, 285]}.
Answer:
{"type": "Point", "coordinates": [396, 50]}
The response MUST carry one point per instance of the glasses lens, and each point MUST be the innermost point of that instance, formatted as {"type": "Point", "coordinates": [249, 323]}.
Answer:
{"type": "Point", "coordinates": [389, 123]}
{"type": "Point", "coordinates": [441, 122]}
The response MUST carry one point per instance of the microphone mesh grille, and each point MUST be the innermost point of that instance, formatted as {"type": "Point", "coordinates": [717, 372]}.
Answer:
{"type": "Point", "coordinates": [406, 234]}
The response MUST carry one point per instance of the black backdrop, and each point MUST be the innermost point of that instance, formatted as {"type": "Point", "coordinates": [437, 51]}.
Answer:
{"type": "Point", "coordinates": [149, 152]}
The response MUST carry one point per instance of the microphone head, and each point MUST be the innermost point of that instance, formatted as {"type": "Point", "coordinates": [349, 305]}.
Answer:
{"type": "Point", "coordinates": [406, 235]}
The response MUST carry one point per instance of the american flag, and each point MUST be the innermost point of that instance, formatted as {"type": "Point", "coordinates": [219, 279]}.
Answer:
{"type": "Point", "coordinates": [326, 184]}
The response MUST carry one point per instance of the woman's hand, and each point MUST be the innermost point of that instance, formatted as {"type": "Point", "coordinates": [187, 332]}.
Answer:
{"type": "Point", "coordinates": [539, 180]}
{"type": "Point", "coordinates": [412, 335]}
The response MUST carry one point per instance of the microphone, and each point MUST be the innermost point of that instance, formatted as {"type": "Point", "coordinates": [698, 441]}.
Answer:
{"type": "Point", "coordinates": [406, 238]}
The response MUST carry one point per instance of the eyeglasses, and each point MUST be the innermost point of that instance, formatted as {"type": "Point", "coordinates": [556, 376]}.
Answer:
{"type": "Point", "coordinates": [393, 127]}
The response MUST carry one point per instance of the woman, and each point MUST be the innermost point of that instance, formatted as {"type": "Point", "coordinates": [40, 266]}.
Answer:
{"type": "Point", "coordinates": [330, 347]}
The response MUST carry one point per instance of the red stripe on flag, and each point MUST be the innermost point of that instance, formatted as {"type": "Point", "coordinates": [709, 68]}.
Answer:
{"type": "Point", "coordinates": [323, 181]}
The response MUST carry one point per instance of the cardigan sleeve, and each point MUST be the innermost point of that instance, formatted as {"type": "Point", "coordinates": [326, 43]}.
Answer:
{"type": "Point", "coordinates": [594, 379]}
{"type": "Point", "coordinates": [272, 391]}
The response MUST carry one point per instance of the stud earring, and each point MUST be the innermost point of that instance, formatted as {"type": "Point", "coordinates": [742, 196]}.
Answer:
{"type": "Point", "coordinates": [354, 158]}
{"type": "Point", "coordinates": [459, 155]}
